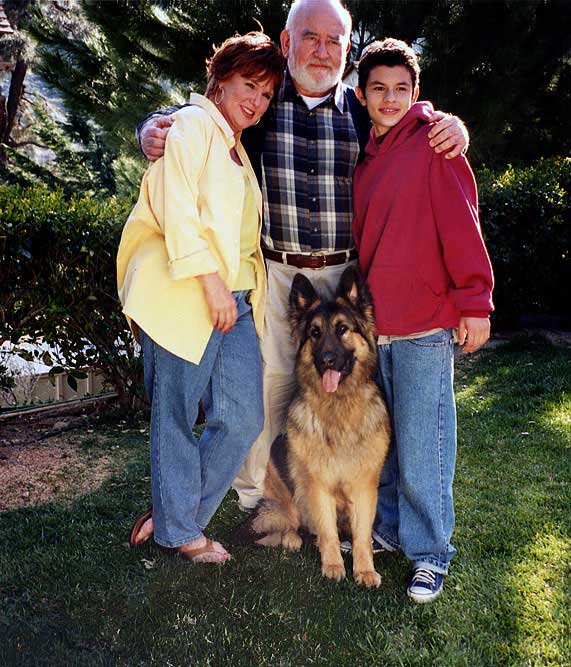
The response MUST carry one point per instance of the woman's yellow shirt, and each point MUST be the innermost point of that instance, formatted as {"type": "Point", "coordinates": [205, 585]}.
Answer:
{"type": "Point", "coordinates": [186, 223]}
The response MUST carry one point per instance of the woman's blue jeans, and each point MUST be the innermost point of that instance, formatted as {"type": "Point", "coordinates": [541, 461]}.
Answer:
{"type": "Point", "coordinates": [191, 476]}
{"type": "Point", "coordinates": [415, 510]}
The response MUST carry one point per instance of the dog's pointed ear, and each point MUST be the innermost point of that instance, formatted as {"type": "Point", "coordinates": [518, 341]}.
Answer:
{"type": "Point", "coordinates": [302, 295]}
{"type": "Point", "coordinates": [353, 289]}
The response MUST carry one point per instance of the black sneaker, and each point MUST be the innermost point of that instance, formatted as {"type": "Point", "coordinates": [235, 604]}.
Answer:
{"type": "Point", "coordinates": [425, 585]}
{"type": "Point", "coordinates": [347, 546]}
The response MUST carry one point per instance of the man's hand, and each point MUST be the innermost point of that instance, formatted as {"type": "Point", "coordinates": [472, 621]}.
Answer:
{"type": "Point", "coordinates": [221, 303]}
{"type": "Point", "coordinates": [473, 332]}
{"type": "Point", "coordinates": [153, 137]}
{"type": "Point", "coordinates": [449, 134]}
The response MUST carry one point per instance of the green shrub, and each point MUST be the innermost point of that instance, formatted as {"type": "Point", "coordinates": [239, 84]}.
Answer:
{"type": "Point", "coordinates": [58, 284]}
{"type": "Point", "coordinates": [526, 220]}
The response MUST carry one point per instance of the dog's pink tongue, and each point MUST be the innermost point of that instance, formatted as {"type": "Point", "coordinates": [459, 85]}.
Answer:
{"type": "Point", "coordinates": [331, 380]}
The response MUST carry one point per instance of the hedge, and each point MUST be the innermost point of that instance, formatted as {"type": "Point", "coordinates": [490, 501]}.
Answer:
{"type": "Point", "coordinates": [57, 265]}
{"type": "Point", "coordinates": [57, 283]}
{"type": "Point", "coordinates": [526, 219]}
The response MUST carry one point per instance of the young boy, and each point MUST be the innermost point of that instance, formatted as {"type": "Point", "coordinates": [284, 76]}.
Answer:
{"type": "Point", "coordinates": [421, 250]}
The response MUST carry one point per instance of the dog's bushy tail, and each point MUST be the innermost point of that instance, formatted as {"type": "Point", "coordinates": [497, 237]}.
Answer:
{"type": "Point", "coordinates": [279, 525]}
{"type": "Point", "coordinates": [277, 518]}
{"type": "Point", "coordinates": [274, 517]}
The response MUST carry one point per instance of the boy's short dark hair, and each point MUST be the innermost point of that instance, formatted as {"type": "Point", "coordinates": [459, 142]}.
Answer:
{"type": "Point", "coordinates": [389, 52]}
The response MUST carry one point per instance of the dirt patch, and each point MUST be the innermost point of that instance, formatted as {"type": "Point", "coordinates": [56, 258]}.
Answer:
{"type": "Point", "coordinates": [55, 469]}
{"type": "Point", "coordinates": [43, 458]}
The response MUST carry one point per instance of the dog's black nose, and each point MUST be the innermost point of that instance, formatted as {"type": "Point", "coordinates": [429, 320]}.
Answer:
{"type": "Point", "coordinates": [328, 359]}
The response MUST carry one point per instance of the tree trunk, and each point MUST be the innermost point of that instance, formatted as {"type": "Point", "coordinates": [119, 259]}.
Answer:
{"type": "Point", "coordinates": [3, 125]}
{"type": "Point", "coordinates": [8, 116]}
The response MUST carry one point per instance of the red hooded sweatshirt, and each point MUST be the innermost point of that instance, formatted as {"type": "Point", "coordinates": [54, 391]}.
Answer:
{"type": "Point", "coordinates": [417, 232]}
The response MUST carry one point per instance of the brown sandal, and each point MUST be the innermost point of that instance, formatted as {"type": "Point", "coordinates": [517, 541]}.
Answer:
{"type": "Point", "coordinates": [191, 554]}
{"type": "Point", "coordinates": [139, 523]}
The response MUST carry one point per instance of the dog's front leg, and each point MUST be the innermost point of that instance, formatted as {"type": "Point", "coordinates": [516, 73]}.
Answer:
{"type": "Point", "coordinates": [322, 511]}
{"type": "Point", "coordinates": [363, 501]}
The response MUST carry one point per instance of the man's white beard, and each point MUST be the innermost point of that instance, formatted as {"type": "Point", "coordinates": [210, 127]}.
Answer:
{"type": "Point", "coordinates": [303, 78]}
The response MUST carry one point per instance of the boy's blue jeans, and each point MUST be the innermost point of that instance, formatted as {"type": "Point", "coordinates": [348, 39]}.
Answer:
{"type": "Point", "coordinates": [415, 510]}
{"type": "Point", "coordinates": [190, 477]}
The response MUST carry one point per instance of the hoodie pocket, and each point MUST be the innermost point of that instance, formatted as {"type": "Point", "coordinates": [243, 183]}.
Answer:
{"type": "Point", "coordinates": [403, 301]}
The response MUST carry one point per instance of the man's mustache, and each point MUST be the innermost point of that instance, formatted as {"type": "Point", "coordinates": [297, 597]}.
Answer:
{"type": "Point", "coordinates": [320, 64]}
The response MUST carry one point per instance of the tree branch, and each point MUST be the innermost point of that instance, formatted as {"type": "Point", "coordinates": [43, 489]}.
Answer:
{"type": "Point", "coordinates": [18, 144]}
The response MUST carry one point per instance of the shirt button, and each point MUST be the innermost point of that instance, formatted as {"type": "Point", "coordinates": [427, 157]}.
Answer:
{"type": "Point", "coordinates": [313, 171]}
{"type": "Point", "coordinates": [314, 199]}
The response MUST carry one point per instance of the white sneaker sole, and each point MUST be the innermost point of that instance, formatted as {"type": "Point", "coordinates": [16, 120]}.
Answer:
{"type": "Point", "coordinates": [421, 598]}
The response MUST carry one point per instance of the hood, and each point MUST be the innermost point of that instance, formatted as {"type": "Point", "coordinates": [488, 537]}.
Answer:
{"type": "Point", "coordinates": [418, 114]}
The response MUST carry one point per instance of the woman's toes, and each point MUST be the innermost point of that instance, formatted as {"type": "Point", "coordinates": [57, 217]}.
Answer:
{"type": "Point", "coordinates": [204, 550]}
{"type": "Point", "coordinates": [146, 531]}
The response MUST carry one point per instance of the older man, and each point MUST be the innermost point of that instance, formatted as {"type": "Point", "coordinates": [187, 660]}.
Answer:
{"type": "Point", "coordinates": [304, 150]}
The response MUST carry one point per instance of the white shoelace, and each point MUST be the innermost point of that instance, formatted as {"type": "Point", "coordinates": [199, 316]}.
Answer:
{"type": "Point", "coordinates": [422, 576]}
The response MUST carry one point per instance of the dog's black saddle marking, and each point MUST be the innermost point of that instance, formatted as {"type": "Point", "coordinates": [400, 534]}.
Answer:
{"type": "Point", "coordinates": [279, 456]}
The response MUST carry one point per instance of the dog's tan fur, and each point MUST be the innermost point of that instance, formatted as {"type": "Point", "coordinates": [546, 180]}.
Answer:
{"type": "Point", "coordinates": [336, 446]}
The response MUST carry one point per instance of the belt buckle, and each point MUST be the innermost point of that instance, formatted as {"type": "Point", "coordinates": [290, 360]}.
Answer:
{"type": "Point", "coordinates": [323, 258]}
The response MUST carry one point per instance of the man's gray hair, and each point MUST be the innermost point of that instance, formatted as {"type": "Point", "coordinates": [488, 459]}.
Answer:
{"type": "Point", "coordinates": [299, 5]}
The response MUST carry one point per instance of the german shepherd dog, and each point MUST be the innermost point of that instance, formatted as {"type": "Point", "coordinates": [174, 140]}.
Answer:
{"type": "Point", "coordinates": [323, 474]}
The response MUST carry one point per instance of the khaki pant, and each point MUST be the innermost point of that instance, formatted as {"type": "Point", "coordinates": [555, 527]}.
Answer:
{"type": "Point", "coordinates": [278, 356]}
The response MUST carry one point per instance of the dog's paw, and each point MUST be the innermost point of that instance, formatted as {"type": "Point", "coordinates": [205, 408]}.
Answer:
{"type": "Point", "coordinates": [292, 541]}
{"type": "Point", "coordinates": [333, 571]}
{"type": "Point", "coordinates": [368, 578]}
{"type": "Point", "coordinates": [270, 540]}
{"type": "Point", "coordinates": [258, 524]}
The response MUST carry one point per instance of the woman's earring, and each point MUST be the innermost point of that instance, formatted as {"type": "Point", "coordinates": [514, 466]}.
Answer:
{"type": "Point", "coordinates": [216, 100]}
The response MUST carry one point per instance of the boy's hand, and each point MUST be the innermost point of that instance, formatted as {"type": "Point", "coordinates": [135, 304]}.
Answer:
{"type": "Point", "coordinates": [153, 137]}
{"type": "Point", "coordinates": [449, 134]}
{"type": "Point", "coordinates": [473, 332]}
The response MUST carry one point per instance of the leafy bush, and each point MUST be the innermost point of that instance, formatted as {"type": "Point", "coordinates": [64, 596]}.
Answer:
{"type": "Point", "coordinates": [526, 220]}
{"type": "Point", "coordinates": [58, 285]}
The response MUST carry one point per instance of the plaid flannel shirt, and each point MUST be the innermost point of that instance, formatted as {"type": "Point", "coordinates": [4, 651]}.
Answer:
{"type": "Point", "coordinates": [308, 161]}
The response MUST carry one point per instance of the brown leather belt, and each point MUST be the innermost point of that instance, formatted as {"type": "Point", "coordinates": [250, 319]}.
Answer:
{"type": "Point", "coordinates": [310, 261]}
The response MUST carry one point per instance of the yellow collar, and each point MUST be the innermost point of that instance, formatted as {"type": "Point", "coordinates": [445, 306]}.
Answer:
{"type": "Point", "coordinates": [217, 117]}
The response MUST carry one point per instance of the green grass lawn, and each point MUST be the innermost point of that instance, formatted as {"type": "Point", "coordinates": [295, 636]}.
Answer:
{"type": "Point", "coordinates": [73, 593]}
